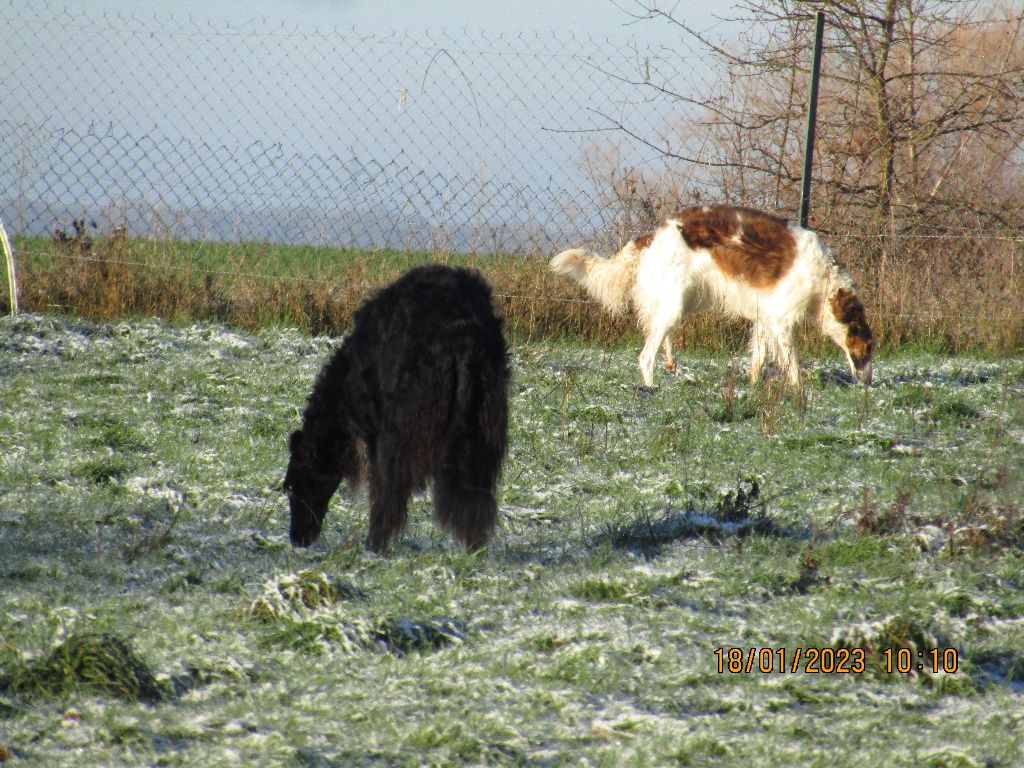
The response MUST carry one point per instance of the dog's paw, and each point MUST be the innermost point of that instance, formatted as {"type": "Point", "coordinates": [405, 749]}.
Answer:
{"type": "Point", "coordinates": [644, 391]}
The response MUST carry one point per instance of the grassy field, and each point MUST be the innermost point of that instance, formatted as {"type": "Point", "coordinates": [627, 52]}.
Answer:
{"type": "Point", "coordinates": [932, 298]}
{"type": "Point", "coordinates": [253, 285]}
{"type": "Point", "coordinates": [152, 612]}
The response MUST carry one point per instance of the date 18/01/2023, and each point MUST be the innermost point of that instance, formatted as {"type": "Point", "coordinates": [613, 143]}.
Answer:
{"type": "Point", "coordinates": [835, 660]}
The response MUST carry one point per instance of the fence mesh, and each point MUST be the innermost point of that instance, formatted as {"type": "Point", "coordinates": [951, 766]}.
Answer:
{"type": "Point", "coordinates": [184, 128]}
{"type": "Point", "coordinates": [171, 129]}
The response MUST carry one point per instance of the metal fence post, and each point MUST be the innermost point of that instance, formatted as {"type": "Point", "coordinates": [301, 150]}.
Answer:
{"type": "Point", "coordinates": [812, 112]}
{"type": "Point", "coordinates": [12, 279]}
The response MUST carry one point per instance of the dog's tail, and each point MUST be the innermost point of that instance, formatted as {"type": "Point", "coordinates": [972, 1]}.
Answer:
{"type": "Point", "coordinates": [474, 443]}
{"type": "Point", "coordinates": [607, 280]}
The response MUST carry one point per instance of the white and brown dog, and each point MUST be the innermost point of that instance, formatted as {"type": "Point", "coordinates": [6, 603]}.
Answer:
{"type": "Point", "coordinates": [734, 260]}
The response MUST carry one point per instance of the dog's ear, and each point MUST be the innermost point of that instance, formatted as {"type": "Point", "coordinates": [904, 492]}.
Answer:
{"type": "Point", "coordinates": [299, 458]}
{"type": "Point", "coordinates": [300, 448]}
{"type": "Point", "coordinates": [303, 451]}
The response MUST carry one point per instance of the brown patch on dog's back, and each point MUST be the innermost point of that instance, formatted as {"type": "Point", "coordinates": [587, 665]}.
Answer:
{"type": "Point", "coordinates": [643, 241]}
{"type": "Point", "coordinates": [746, 244]}
{"type": "Point", "coordinates": [847, 309]}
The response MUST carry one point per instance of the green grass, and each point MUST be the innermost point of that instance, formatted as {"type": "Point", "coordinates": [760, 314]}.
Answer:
{"type": "Point", "coordinates": [253, 285]}
{"type": "Point", "coordinates": [271, 260]}
{"type": "Point", "coordinates": [138, 465]}
{"type": "Point", "coordinates": [108, 277]}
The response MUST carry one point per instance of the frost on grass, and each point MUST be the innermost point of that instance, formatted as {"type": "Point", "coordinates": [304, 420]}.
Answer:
{"type": "Point", "coordinates": [302, 610]}
{"type": "Point", "coordinates": [999, 667]}
{"type": "Point", "coordinates": [733, 513]}
{"type": "Point", "coordinates": [404, 635]}
{"type": "Point", "coordinates": [594, 613]}
{"type": "Point", "coordinates": [101, 663]}
{"type": "Point", "coordinates": [892, 632]}
{"type": "Point", "coordinates": [322, 632]}
{"type": "Point", "coordinates": [293, 592]}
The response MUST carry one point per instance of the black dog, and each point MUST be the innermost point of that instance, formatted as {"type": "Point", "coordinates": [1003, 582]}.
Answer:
{"type": "Point", "coordinates": [418, 389]}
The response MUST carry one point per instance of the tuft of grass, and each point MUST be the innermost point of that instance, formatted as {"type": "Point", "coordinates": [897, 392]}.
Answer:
{"type": "Point", "coordinates": [146, 537]}
{"type": "Point", "coordinates": [732, 514]}
{"type": "Point", "coordinates": [98, 662]}
{"type": "Point", "coordinates": [903, 630]}
{"type": "Point", "coordinates": [102, 470]}
{"type": "Point", "coordinates": [298, 608]}
{"type": "Point", "coordinates": [986, 524]}
{"type": "Point", "coordinates": [292, 592]}
{"type": "Point", "coordinates": [602, 590]}
{"type": "Point", "coordinates": [869, 520]}
{"type": "Point", "coordinates": [321, 632]}
{"type": "Point", "coordinates": [404, 635]}
{"type": "Point", "coordinates": [734, 407]}
{"type": "Point", "coordinates": [1001, 667]}
{"type": "Point", "coordinates": [809, 575]}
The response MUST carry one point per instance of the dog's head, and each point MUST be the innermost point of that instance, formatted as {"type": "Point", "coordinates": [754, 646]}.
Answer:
{"type": "Point", "coordinates": [847, 324]}
{"type": "Point", "coordinates": [309, 487]}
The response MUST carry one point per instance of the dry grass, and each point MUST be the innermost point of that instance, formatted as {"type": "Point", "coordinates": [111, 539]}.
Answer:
{"type": "Point", "coordinates": [956, 291]}
{"type": "Point", "coordinates": [918, 291]}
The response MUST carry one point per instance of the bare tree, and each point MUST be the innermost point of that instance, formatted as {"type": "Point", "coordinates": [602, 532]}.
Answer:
{"type": "Point", "coordinates": [921, 108]}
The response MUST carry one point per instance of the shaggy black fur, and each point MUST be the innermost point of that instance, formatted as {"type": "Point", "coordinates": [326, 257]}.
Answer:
{"type": "Point", "coordinates": [418, 390]}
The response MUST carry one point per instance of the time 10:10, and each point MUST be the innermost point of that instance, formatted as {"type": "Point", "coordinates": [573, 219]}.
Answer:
{"type": "Point", "coordinates": [935, 660]}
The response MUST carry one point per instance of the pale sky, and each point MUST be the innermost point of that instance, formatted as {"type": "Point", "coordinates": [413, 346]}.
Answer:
{"type": "Point", "coordinates": [591, 17]}
{"type": "Point", "coordinates": [238, 106]}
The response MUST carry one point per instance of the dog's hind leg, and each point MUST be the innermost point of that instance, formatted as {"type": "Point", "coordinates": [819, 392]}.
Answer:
{"type": "Point", "coordinates": [768, 340]}
{"type": "Point", "coordinates": [784, 351]}
{"type": "Point", "coordinates": [760, 340]}
{"type": "Point", "coordinates": [666, 347]}
{"type": "Point", "coordinates": [656, 327]}
{"type": "Point", "coordinates": [470, 512]}
{"type": "Point", "coordinates": [468, 458]}
{"type": "Point", "coordinates": [464, 485]}
{"type": "Point", "coordinates": [646, 359]}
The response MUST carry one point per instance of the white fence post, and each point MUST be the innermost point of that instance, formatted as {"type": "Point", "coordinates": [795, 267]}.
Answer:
{"type": "Point", "coordinates": [12, 278]}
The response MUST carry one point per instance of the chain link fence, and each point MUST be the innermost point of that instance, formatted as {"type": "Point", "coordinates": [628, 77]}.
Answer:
{"type": "Point", "coordinates": [176, 127]}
